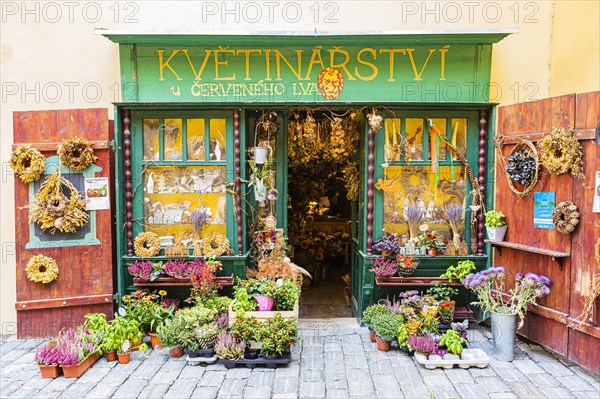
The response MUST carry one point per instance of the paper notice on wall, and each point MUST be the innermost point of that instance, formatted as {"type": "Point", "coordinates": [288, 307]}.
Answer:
{"type": "Point", "coordinates": [596, 208]}
{"type": "Point", "coordinates": [543, 205]}
{"type": "Point", "coordinates": [96, 193]}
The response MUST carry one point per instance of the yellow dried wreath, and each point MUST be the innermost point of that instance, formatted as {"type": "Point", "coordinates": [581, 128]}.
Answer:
{"type": "Point", "coordinates": [146, 244]}
{"type": "Point", "coordinates": [28, 163]}
{"type": "Point", "coordinates": [42, 269]}
{"type": "Point", "coordinates": [215, 244]}
{"type": "Point", "coordinates": [53, 210]}
{"type": "Point", "coordinates": [76, 153]}
{"type": "Point", "coordinates": [565, 217]}
{"type": "Point", "coordinates": [560, 152]}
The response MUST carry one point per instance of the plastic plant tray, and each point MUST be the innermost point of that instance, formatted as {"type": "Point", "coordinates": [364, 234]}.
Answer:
{"type": "Point", "coordinates": [470, 358]}
{"type": "Point", "coordinates": [259, 361]}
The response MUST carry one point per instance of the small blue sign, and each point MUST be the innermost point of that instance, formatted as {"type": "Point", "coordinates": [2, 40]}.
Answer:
{"type": "Point", "coordinates": [544, 203]}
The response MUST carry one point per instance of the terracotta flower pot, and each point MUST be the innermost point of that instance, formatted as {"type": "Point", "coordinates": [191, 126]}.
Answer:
{"type": "Point", "coordinates": [77, 370]}
{"type": "Point", "coordinates": [176, 351]}
{"type": "Point", "coordinates": [372, 336]}
{"type": "Point", "coordinates": [124, 357]}
{"type": "Point", "coordinates": [154, 341]}
{"type": "Point", "coordinates": [432, 251]}
{"type": "Point", "coordinates": [111, 356]}
{"type": "Point", "coordinates": [384, 345]}
{"type": "Point", "coordinates": [136, 345]}
{"type": "Point", "coordinates": [50, 371]}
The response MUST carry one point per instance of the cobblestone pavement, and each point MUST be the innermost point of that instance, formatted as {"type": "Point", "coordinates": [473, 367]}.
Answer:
{"type": "Point", "coordinates": [330, 361]}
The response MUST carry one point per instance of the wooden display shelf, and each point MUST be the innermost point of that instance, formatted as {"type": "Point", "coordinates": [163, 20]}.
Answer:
{"type": "Point", "coordinates": [226, 281]}
{"type": "Point", "coordinates": [413, 281]}
{"type": "Point", "coordinates": [556, 255]}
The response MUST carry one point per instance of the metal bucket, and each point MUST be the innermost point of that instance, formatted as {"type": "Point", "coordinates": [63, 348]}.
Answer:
{"type": "Point", "coordinates": [504, 330]}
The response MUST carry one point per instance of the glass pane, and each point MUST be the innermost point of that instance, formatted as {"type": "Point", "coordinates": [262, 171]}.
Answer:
{"type": "Point", "coordinates": [195, 139]}
{"type": "Point", "coordinates": [393, 150]}
{"type": "Point", "coordinates": [440, 123]}
{"type": "Point", "coordinates": [412, 190]}
{"type": "Point", "coordinates": [459, 134]}
{"type": "Point", "coordinates": [172, 140]}
{"type": "Point", "coordinates": [172, 193]}
{"type": "Point", "coordinates": [414, 138]}
{"type": "Point", "coordinates": [218, 130]}
{"type": "Point", "coordinates": [150, 139]}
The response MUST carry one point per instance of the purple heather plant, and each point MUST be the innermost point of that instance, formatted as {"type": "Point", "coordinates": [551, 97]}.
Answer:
{"type": "Point", "coordinates": [528, 288]}
{"type": "Point", "coordinates": [387, 242]}
{"type": "Point", "coordinates": [422, 343]}
{"type": "Point", "coordinates": [167, 302]}
{"type": "Point", "coordinates": [383, 267]}
{"type": "Point", "coordinates": [196, 266]}
{"type": "Point", "coordinates": [74, 344]}
{"type": "Point", "coordinates": [49, 355]}
{"type": "Point", "coordinates": [177, 268]}
{"type": "Point", "coordinates": [141, 269]}
{"type": "Point", "coordinates": [222, 321]}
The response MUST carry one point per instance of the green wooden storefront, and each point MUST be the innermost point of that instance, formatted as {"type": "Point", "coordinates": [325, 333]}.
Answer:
{"type": "Point", "coordinates": [191, 77]}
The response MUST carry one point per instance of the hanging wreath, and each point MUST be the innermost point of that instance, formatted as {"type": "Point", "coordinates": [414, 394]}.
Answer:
{"type": "Point", "coordinates": [28, 163]}
{"type": "Point", "coordinates": [560, 152]}
{"type": "Point", "coordinates": [76, 153]}
{"type": "Point", "coordinates": [42, 269]}
{"type": "Point", "coordinates": [523, 167]}
{"type": "Point", "coordinates": [565, 217]}
{"type": "Point", "coordinates": [215, 244]}
{"type": "Point", "coordinates": [146, 244]}
{"type": "Point", "coordinates": [53, 210]}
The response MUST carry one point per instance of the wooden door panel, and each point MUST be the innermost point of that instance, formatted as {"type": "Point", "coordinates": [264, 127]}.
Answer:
{"type": "Point", "coordinates": [85, 281]}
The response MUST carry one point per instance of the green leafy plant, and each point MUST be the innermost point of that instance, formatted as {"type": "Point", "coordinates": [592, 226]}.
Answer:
{"type": "Point", "coordinates": [494, 218]}
{"type": "Point", "coordinates": [168, 333]}
{"type": "Point", "coordinates": [460, 271]}
{"type": "Point", "coordinates": [277, 335]}
{"type": "Point", "coordinates": [219, 303]}
{"type": "Point", "coordinates": [402, 335]}
{"type": "Point", "coordinates": [374, 311]}
{"type": "Point", "coordinates": [243, 303]}
{"type": "Point", "coordinates": [452, 341]}
{"type": "Point", "coordinates": [441, 291]}
{"type": "Point", "coordinates": [246, 328]}
{"type": "Point", "coordinates": [160, 315]}
{"type": "Point", "coordinates": [181, 329]}
{"type": "Point", "coordinates": [286, 295]}
{"type": "Point", "coordinates": [121, 329]}
{"type": "Point", "coordinates": [96, 322]}
{"type": "Point", "coordinates": [386, 325]}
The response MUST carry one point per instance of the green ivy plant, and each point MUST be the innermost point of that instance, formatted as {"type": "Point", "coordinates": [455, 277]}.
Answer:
{"type": "Point", "coordinates": [494, 218]}
{"type": "Point", "coordinates": [452, 341]}
{"type": "Point", "coordinates": [460, 271]}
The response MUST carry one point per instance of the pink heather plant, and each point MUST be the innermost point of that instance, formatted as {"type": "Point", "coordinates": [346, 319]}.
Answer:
{"type": "Point", "coordinates": [141, 269]}
{"type": "Point", "coordinates": [177, 268]}
{"type": "Point", "coordinates": [422, 343]}
{"type": "Point", "coordinates": [383, 267]}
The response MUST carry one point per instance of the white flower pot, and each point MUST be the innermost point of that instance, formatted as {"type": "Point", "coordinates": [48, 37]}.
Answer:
{"type": "Point", "coordinates": [260, 190]}
{"type": "Point", "coordinates": [496, 233]}
{"type": "Point", "coordinates": [260, 155]}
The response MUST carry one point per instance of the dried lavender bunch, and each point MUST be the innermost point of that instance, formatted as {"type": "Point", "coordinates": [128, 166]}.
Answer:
{"type": "Point", "coordinates": [455, 214]}
{"type": "Point", "coordinates": [414, 216]}
{"type": "Point", "coordinates": [199, 218]}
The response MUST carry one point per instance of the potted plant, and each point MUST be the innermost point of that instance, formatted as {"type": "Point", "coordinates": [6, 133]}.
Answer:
{"type": "Point", "coordinates": [387, 244]}
{"type": "Point", "coordinates": [386, 327]}
{"type": "Point", "coordinates": [168, 335]}
{"type": "Point", "coordinates": [261, 152]}
{"type": "Point", "coordinates": [160, 314]}
{"type": "Point", "coordinates": [260, 178]}
{"type": "Point", "coordinates": [181, 329]}
{"type": "Point", "coordinates": [277, 335]}
{"type": "Point", "coordinates": [422, 344]}
{"type": "Point", "coordinates": [430, 241]}
{"type": "Point", "coordinates": [145, 269]}
{"type": "Point", "coordinates": [229, 347]}
{"type": "Point", "coordinates": [286, 295]}
{"type": "Point", "coordinates": [124, 351]}
{"type": "Point", "coordinates": [446, 311]}
{"type": "Point", "coordinates": [78, 349]}
{"type": "Point", "coordinates": [207, 335]}
{"type": "Point", "coordinates": [372, 312]}
{"type": "Point", "coordinates": [384, 267]}
{"type": "Point", "coordinates": [441, 291]}
{"type": "Point", "coordinates": [489, 286]}
{"type": "Point", "coordinates": [461, 327]}
{"type": "Point", "coordinates": [453, 342]}
{"type": "Point", "coordinates": [406, 265]}
{"type": "Point", "coordinates": [495, 225]}
{"type": "Point", "coordinates": [48, 360]}
{"type": "Point", "coordinates": [462, 269]}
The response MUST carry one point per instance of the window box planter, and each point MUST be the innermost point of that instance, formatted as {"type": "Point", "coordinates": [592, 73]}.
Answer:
{"type": "Point", "coordinates": [290, 314]}
{"type": "Point", "coordinates": [77, 370]}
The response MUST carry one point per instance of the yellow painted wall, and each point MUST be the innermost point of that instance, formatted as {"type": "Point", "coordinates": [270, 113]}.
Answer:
{"type": "Point", "coordinates": [575, 56]}
{"type": "Point", "coordinates": [45, 46]}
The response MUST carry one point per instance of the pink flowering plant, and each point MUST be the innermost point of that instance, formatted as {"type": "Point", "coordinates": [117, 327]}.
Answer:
{"type": "Point", "coordinates": [422, 343]}
{"type": "Point", "coordinates": [489, 285]}
{"type": "Point", "coordinates": [177, 268]}
{"type": "Point", "coordinates": [70, 348]}
{"type": "Point", "coordinates": [383, 267]}
{"type": "Point", "coordinates": [145, 270]}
